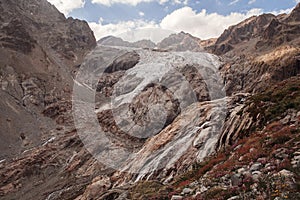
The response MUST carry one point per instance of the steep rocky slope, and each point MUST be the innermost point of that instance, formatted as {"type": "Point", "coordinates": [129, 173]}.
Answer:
{"type": "Point", "coordinates": [39, 51]}
{"type": "Point", "coordinates": [260, 51]}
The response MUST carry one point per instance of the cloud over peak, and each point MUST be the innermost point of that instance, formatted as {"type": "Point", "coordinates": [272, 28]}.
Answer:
{"type": "Point", "coordinates": [202, 24]}
{"type": "Point", "coordinates": [66, 6]}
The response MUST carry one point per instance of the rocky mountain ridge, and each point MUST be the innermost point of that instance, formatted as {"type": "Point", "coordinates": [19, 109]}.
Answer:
{"type": "Point", "coordinates": [260, 33]}
{"type": "Point", "coordinates": [260, 51]}
{"type": "Point", "coordinates": [175, 42]}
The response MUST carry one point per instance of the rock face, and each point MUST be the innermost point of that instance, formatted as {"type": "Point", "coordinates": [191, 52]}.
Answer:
{"type": "Point", "coordinates": [65, 36]}
{"type": "Point", "coordinates": [259, 52]}
{"type": "Point", "coordinates": [123, 63]}
{"type": "Point", "coordinates": [40, 49]}
{"type": "Point", "coordinates": [244, 31]}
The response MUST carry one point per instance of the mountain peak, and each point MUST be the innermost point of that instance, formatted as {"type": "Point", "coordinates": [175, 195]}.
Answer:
{"type": "Point", "coordinates": [175, 42]}
{"type": "Point", "coordinates": [294, 16]}
{"type": "Point", "coordinates": [116, 41]}
{"type": "Point", "coordinates": [260, 32]}
{"type": "Point", "coordinates": [181, 42]}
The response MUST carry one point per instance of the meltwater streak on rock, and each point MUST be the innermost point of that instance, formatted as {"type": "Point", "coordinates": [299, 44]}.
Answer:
{"type": "Point", "coordinates": [165, 148]}
{"type": "Point", "coordinates": [187, 136]}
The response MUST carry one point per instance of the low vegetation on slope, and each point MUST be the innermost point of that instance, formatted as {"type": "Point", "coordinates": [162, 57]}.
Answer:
{"type": "Point", "coordinates": [277, 101]}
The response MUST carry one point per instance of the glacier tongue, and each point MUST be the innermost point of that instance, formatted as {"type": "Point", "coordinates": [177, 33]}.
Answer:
{"type": "Point", "coordinates": [154, 66]}
{"type": "Point", "coordinates": [174, 99]}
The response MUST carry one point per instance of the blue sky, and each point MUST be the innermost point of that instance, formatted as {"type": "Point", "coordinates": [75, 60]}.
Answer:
{"type": "Point", "coordinates": [202, 18]}
{"type": "Point", "coordinates": [156, 11]}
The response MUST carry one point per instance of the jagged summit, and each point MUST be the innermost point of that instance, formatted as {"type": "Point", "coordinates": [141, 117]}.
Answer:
{"type": "Point", "coordinates": [294, 16]}
{"type": "Point", "coordinates": [260, 33]}
{"type": "Point", "coordinates": [181, 42]}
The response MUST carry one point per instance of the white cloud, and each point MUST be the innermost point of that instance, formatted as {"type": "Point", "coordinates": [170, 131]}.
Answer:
{"type": "Point", "coordinates": [184, 2]}
{"type": "Point", "coordinates": [155, 34]}
{"type": "Point", "coordinates": [287, 11]}
{"type": "Point", "coordinates": [141, 14]}
{"type": "Point", "coordinates": [110, 2]}
{"type": "Point", "coordinates": [251, 2]}
{"type": "Point", "coordinates": [135, 2]}
{"type": "Point", "coordinates": [130, 30]}
{"type": "Point", "coordinates": [297, 1]}
{"type": "Point", "coordinates": [218, 2]}
{"type": "Point", "coordinates": [102, 30]}
{"type": "Point", "coordinates": [234, 2]}
{"type": "Point", "coordinates": [202, 24]}
{"type": "Point", "coordinates": [66, 6]}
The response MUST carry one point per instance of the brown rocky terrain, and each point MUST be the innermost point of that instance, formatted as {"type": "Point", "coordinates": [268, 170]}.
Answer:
{"type": "Point", "coordinates": [38, 57]}
{"type": "Point", "coordinates": [260, 51]}
{"type": "Point", "coordinates": [189, 140]}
